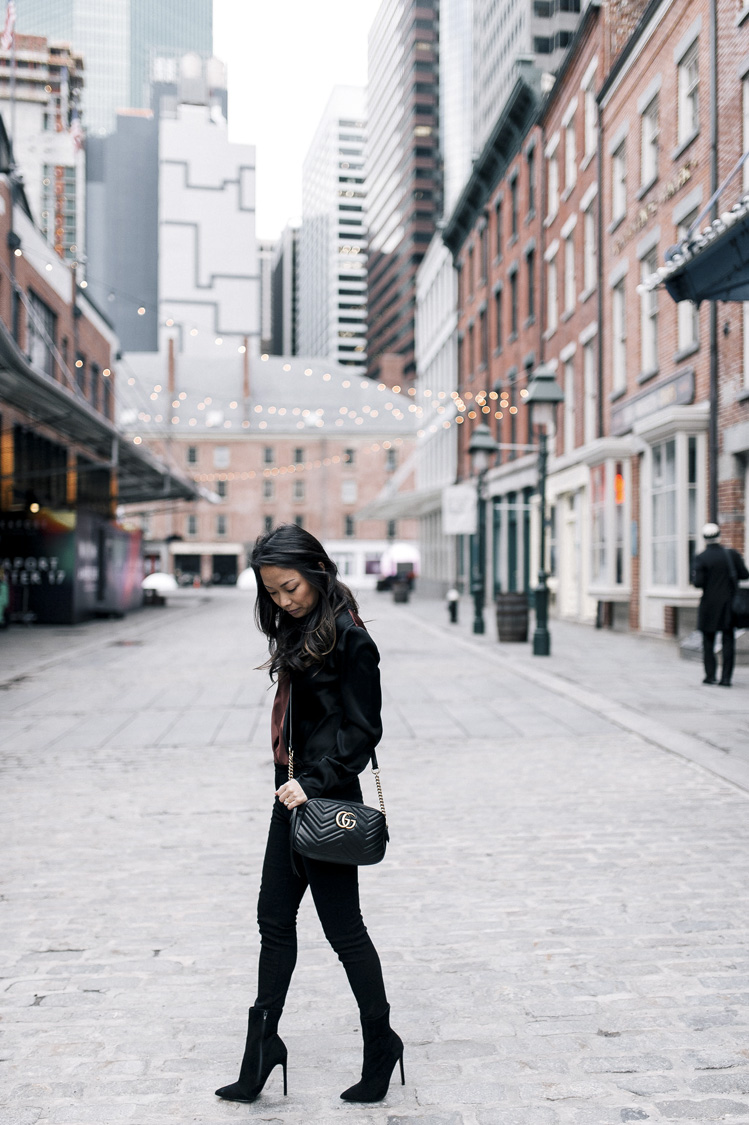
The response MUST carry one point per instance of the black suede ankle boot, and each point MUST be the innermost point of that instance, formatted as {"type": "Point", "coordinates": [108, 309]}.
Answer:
{"type": "Point", "coordinates": [382, 1050]}
{"type": "Point", "coordinates": [263, 1051]}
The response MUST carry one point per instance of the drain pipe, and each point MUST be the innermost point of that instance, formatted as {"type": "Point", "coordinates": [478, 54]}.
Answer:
{"type": "Point", "coordinates": [713, 421]}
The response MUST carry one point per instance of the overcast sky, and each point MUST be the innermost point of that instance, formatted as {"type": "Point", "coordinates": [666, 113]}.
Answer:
{"type": "Point", "coordinates": [283, 58]}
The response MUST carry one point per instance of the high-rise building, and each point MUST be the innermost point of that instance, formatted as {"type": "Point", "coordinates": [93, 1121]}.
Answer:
{"type": "Point", "coordinates": [48, 89]}
{"type": "Point", "coordinates": [402, 176]}
{"type": "Point", "coordinates": [265, 253]}
{"type": "Point", "coordinates": [504, 30]}
{"type": "Point", "coordinates": [456, 97]}
{"type": "Point", "coordinates": [285, 293]}
{"type": "Point", "coordinates": [332, 240]}
{"type": "Point", "coordinates": [120, 43]}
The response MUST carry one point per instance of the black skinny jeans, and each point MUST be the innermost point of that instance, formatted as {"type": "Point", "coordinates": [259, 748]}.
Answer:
{"type": "Point", "coordinates": [335, 891]}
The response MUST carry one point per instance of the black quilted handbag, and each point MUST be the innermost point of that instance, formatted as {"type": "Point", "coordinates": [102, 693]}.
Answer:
{"type": "Point", "coordinates": [339, 831]}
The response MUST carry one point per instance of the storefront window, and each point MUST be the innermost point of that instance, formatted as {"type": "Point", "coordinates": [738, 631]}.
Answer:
{"type": "Point", "coordinates": [664, 513]}
{"type": "Point", "coordinates": [691, 501]}
{"type": "Point", "coordinates": [619, 507]}
{"type": "Point", "coordinates": [598, 522]}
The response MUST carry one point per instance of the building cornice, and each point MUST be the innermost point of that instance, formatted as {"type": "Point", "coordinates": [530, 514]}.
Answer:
{"type": "Point", "coordinates": [519, 113]}
{"type": "Point", "coordinates": [633, 46]}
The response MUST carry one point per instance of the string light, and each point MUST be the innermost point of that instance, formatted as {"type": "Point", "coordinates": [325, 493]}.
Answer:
{"type": "Point", "coordinates": [316, 418]}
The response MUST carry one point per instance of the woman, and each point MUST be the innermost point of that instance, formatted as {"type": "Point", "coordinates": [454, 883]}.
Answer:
{"type": "Point", "coordinates": [328, 702]}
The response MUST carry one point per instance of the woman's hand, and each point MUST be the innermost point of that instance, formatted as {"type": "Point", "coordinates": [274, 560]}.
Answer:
{"type": "Point", "coordinates": [291, 794]}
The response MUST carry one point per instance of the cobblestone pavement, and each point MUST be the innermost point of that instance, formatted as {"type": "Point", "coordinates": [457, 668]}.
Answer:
{"type": "Point", "coordinates": [562, 914]}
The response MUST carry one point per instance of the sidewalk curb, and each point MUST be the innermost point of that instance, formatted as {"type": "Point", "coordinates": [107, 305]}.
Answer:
{"type": "Point", "coordinates": [627, 718]}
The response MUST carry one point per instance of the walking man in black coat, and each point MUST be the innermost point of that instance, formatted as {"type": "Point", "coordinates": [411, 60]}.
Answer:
{"type": "Point", "coordinates": [713, 573]}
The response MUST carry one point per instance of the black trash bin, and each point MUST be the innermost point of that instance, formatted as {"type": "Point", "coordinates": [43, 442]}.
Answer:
{"type": "Point", "coordinates": [401, 589]}
{"type": "Point", "coordinates": [512, 617]}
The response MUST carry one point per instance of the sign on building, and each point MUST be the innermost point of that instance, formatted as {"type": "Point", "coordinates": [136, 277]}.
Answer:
{"type": "Point", "coordinates": [459, 509]}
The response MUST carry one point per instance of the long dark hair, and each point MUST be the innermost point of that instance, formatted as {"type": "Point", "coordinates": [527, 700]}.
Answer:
{"type": "Point", "coordinates": [295, 645]}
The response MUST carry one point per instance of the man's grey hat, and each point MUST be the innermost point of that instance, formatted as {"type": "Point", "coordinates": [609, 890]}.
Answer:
{"type": "Point", "coordinates": [711, 531]}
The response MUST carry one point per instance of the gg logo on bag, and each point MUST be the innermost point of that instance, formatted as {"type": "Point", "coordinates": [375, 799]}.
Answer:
{"type": "Point", "coordinates": [345, 819]}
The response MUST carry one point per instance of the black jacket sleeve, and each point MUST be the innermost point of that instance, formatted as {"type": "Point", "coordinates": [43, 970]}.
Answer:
{"type": "Point", "coordinates": [360, 725]}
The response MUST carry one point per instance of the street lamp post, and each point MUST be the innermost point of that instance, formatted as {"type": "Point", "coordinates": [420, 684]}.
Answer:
{"type": "Point", "coordinates": [482, 448]}
{"type": "Point", "coordinates": [543, 395]}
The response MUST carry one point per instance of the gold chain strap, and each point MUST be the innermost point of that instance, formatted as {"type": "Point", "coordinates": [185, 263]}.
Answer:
{"type": "Point", "coordinates": [376, 773]}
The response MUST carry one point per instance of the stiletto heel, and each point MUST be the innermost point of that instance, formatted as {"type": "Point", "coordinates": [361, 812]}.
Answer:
{"type": "Point", "coordinates": [382, 1050]}
{"type": "Point", "coordinates": [283, 1064]}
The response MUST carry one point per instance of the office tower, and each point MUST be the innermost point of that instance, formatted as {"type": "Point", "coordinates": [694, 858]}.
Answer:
{"type": "Point", "coordinates": [121, 42]}
{"type": "Point", "coordinates": [265, 253]}
{"type": "Point", "coordinates": [402, 176]}
{"type": "Point", "coordinates": [332, 241]}
{"type": "Point", "coordinates": [504, 30]}
{"type": "Point", "coordinates": [456, 98]}
{"type": "Point", "coordinates": [285, 293]}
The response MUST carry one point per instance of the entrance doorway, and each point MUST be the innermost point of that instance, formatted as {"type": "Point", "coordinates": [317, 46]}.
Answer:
{"type": "Point", "coordinates": [224, 570]}
{"type": "Point", "coordinates": [186, 569]}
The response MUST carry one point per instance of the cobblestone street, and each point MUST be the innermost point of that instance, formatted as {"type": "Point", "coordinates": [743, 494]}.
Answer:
{"type": "Point", "coordinates": [562, 913]}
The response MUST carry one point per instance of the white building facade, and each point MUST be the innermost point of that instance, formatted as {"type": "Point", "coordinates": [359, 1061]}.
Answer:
{"type": "Point", "coordinates": [209, 282]}
{"type": "Point", "coordinates": [437, 375]}
{"type": "Point", "coordinates": [332, 239]}
{"type": "Point", "coordinates": [207, 260]}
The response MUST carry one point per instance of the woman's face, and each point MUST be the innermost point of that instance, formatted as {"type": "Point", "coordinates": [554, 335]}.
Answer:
{"type": "Point", "coordinates": [289, 590]}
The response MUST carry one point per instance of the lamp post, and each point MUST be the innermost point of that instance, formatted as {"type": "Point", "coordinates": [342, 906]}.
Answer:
{"type": "Point", "coordinates": [481, 449]}
{"type": "Point", "coordinates": [543, 395]}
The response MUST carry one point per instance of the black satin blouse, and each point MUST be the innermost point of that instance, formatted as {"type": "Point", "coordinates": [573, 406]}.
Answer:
{"type": "Point", "coordinates": [335, 715]}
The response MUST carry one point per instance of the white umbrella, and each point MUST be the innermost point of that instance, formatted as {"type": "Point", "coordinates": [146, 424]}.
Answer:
{"type": "Point", "coordinates": [246, 580]}
{"type": "Point", "coordinates": [396, 553]}
{"type": "Point", "coordinates": [162, 583]}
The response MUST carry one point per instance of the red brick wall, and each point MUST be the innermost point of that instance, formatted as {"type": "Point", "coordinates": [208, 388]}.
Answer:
{"type": "Point", "coordinates": [679, 174]}
{"type": "Point", "coordinates": [324, 470]}
{"type": "Point", "coordinates": [505, 254]}
{"type": "Point", "coordinates": [31, 276]}
{"type": "Point", "coordinates": [733, 397]}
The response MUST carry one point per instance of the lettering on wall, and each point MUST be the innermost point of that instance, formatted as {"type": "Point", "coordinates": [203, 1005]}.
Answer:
{"type": "Point", "coordinates": [33, 570]}
{"type": "Point", "coordinates": [648, 211]}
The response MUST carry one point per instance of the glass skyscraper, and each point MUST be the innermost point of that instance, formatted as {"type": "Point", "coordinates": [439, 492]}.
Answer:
{"type": "Point", "coordinates": [118, 42]}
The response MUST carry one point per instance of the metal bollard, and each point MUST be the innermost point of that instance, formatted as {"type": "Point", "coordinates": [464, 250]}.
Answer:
{"type": "Point", "coordinates": [452, 598]}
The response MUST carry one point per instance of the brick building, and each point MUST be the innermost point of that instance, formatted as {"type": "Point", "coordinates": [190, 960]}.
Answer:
{"type": "Point", "coordinates": [277, 440]}
{"type": "Point", "coordinates": [674, 371]}
{"type": "Point", "coordinates": [572, 205]}
{"type": "Point", "coordinates": [732, 429]}
{"type": "Point", "coordinates": [570, 340]}
{"type": "Point", "coordinates": [64, 465]}
{"type": "Point", "coordinates": [495, 234]}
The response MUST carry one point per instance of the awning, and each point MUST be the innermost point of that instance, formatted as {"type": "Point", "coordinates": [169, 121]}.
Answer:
{"type": "Point", "coordinates": [711, 266]}
{"type": "Point", "coordinates": [141, 475]}
{"type": "Point", "coordinates": [402, 505]}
